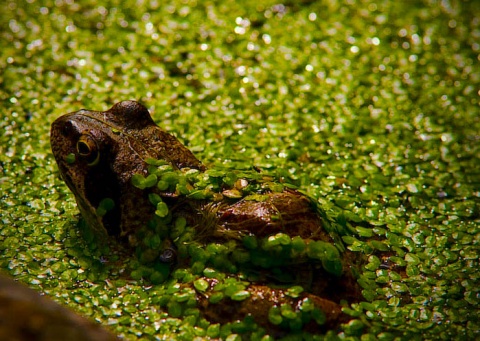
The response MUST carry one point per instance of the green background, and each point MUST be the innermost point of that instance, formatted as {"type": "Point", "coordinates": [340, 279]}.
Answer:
{"type": "Point", "coordinates": [371, 107]}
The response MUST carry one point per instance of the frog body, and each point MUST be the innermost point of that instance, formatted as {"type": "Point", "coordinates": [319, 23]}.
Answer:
{"type": "Point", "coordinates": [98, 154]}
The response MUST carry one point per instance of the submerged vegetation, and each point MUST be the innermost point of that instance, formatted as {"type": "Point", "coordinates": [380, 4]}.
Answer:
{"type": "Point", "coordinates": [369, 108]}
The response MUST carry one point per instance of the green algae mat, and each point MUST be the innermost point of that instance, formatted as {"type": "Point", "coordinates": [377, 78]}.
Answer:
{"type": "Point", "coordinates": [372, 108]}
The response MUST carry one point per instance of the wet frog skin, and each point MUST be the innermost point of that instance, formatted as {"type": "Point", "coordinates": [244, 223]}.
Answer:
{"type": "Point", "coordinates": [98, 153]}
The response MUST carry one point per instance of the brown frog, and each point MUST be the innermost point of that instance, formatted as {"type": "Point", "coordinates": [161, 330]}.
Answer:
{"type": "Point", "coordinates": [99, 152]}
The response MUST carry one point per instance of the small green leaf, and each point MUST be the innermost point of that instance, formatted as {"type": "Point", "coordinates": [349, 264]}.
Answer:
{"type": "Point", "coordinates": [275, 187]}
{"type": "Point", "coordinates": [183, 188]}
{"type": "Point", "coordinates": [240, 255]}
{"type": "Point", "coordinates": [69, 275]}
{"type": "Point", "coordinates": [162, 210]}
{"type": "Point", "coordinates": [355, 327]}
{"type": "Point", "coordinates": [162, 185]}
{"type": "Point", "coordinates": [233, 337]}
{"type": "Point", "coordinates": [240, 295]}
{"type": "Point", "coordinates": [157, 277]}
{"type": "Point", "coordinates": [275, 316]}
{"type": "Point", "coordinates": [198, 194]}
{"type": "Point", "coordinates": [170, 177]}
{"type": "Point", "coordinates": [230, 178]}
{"type": "Point", "coordinates": [180, 223]}
{"type": "Point", "coordinates": [319, 316]}
{"type": "Point", "coordinates": [213, 330]}
{"type": "Point", "coordinates": [154, 199]}
{"type": "Point", "coordinates": [378, 245]}
{"type": "Point", "coordinates": [70, 158]}
{"type": "Point", "coordinates": [150, 181]}
{"type": "Point", "coordinates": [105, 205]}
{"type": "Point", "coordinates": [298, 244]}
{"type": "Point", "coordinates": [294, 291]}
{"type": "Point", "coordinates": [287, 311]}
{"type": "Point", "coordinates": [283, 238]}
{"type": "Point", "coordinates": [250, 242]}
{"type": "Point", "coordinates": [364, 232]}
{"type": "Point", "coordinates": [412, 259]}
{"type": "Point", "coordinates": [216, 297]}
{"type": "Point", "coordinates": [232, 193]}
{"type": "Point", "coordinates": [215, 173]}
{"type": "Point", "coordinates": [210, 273]}
{"type": "Point", "coordinates": [138, 181]}
{"type": "Point", "coordinates": [373, 263]}
{"type": "Point", "coordinates": [155, 162]}
{"type": "Point", "coordinates": [136, 274]}
{"type": "Point", "coordinates": [201, 284]}
{"type": "Point", "coordinates": [198, 267]}
{"type": "Point", "coordinates": [257, 197]}
{"type": "Point", "coordinates": [174, 309]}
{"type": "Point", "coordinates": [307, 305]}
{"type": "Point", "coordinates": [333, 266]}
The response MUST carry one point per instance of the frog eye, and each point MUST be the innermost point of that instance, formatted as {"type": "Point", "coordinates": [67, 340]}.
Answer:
{"type": "Point", "coordinates": [87, 148]}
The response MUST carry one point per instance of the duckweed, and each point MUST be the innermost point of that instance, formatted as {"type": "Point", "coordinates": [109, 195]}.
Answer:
{"type": "Point", "coordinates": [105, 205]}
{"type": "Point", "coordinates": [161, 209]}
{"type": "Point", "coordinates": [372, 113]}
{"type": "Point", "coordinates": [275, 315]}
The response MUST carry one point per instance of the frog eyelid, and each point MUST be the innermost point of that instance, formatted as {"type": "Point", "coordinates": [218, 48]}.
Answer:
{"type": "Point", "coordinates": [87, 148]}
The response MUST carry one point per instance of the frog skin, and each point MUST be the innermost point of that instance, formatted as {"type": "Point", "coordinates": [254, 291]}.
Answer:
{"type": "Point", "coordinates": [99, 152]}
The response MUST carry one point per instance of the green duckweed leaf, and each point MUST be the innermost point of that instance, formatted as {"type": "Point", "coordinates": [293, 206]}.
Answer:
{"type": "Point", "coordinates": [287, 311]}
{"type": "Point", "coordinates": [70, 158]}
{"type": "Point", "coordinates": [307, 305]}
{"type": "Point", "coordinates": [150, 181]}
{"type": "Point", "coordinates": [174, 309]}
{"type": "Point", "coordinates": [298, 244]}
{"type": "Point", "coordinates": [162, 209]}
{"type": "Point", "coordinates": [319, 316]}
{"type": "Point", "coordinates": [294, 291]}
{"type": "Point", "coordinates": [275, 315]}
{"type": "Point", "coordinates": [200, 194]}
{"type": "Point", "coordinates": [334, 267]}
{"type": "Point", "coordinates": [171, 178]}
{"type": "Point", "coordinates": [213, 330]}
{"type": "Point", "coordinates": [216, 297]}
{"type": "Point", "coordinates": [138, 180]}
{"type": "Point", "coordinates": [162, 185]}
{"type": "Point", "coordinates": [240, 295]}
{"type": "Point", "coordinates": [154, 199]}
{"type": "Point", "coordinates": [232, 193]}
{"type": "Point", "coordinates": [155, 162]}
{"type": "Point", "coordinates": [250, 242]}
{"type": "Point", "coordinates": [201, 285]}
{"type": "Point", "coordinates": [105, 205]}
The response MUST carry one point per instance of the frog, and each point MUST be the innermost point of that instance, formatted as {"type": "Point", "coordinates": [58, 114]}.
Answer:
{"type": "Point", "coordinates": [99, 153]}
